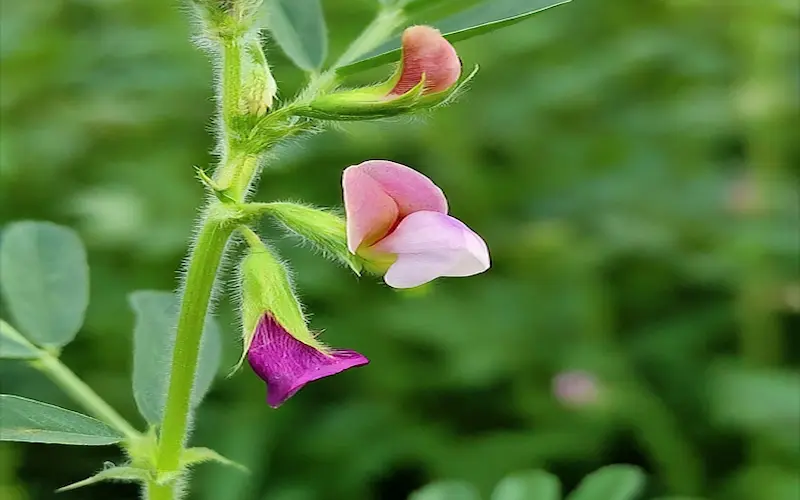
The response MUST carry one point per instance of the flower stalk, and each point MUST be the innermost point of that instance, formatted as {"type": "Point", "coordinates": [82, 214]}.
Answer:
{"type": "Point", "coordinates": [203, 265]}
{"type": "Point", "coordinates": [205, 257]}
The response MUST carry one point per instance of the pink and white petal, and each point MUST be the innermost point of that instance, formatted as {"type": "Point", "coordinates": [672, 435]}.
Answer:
{"type": "Point", "coordinates": [371, 212]}
{"type": "Point", "coordinates": [429, 245]}
{"type": "Point", "coordinates": [412, 191]}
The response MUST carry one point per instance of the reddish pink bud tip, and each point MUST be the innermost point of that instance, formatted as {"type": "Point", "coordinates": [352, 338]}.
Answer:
{"type": "Point", "coordinates": [426, 51]}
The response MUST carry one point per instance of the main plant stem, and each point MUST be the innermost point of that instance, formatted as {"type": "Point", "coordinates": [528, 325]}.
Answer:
{"type": "Point", "coordinates": [205, 258]}
{"type": "Point", "coordinates": [233, 178]}
{"type": "Point", "coordinates": [202, 273]}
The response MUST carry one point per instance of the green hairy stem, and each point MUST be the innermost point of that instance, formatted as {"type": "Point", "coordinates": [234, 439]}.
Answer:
{"type": "Point", "coordinates": [243, 151]}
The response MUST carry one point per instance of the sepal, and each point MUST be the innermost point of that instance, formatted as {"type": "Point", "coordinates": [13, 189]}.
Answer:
{"type": "Point", "coordinates": [266, 287]}
{"type": "Point", "coordinates": [323, 229]}
{"type": "Point", "coordinates": [112, 473]}
{"type": "Point", "coordinates": [373, 103]}
{"type": "Point", "coordinates": [200, 455]}
{"type": "Point", "coordinates": [362, 104]}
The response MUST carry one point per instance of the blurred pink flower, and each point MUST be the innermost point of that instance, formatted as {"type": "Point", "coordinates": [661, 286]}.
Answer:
{"type": "Point", "coordinates": [397, 221]}
{"type": "Point", "coordinates": [576, 388]}
{"type": "Point", "coordinates": [426, 52]}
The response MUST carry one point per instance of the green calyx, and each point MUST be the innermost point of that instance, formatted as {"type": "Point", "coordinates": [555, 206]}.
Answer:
{"type": "Point", "coordinates": [375, 102]}
{"type": "Point", "coordinates": [323, 229]}
{"type": "Point", "coordinates": [375, 262]}
{"type": "Point", "coordinates": [361, 104]}
{"type": "Point", "coordinates": [266, 289]}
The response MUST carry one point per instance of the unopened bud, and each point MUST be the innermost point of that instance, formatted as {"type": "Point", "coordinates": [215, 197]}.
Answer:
{"type": "Point", "coordinates": [427, 76]}
{"type": "Point", "coordinates": [427, 56]}
{"type": "Point", "coordinates": [259, 84]}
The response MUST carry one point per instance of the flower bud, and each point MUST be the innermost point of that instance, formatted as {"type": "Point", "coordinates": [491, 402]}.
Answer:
{"type": "Point", "coordinates": [278, 344]}
{"type": "Point", "coordinates": [429, 57]}
{"type": "Point", "coordinates": [259, 87]}
{"type": "Point", "coordinates": [426, 77]}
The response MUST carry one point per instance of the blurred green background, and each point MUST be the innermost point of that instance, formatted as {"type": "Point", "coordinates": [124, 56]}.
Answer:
{"type": "Point", "coordinates": [633, 166]}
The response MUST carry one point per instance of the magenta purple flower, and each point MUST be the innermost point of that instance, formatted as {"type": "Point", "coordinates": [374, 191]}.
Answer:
{"type": "Point", "coordinates": [287, 364]}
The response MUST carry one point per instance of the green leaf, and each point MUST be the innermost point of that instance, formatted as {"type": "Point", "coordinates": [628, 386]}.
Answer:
{"type": "Point", "coordinates": [614, 482]}
{"type": "Point", "coordinates": [13, 345]}
{"type": "Point", "coordinates": [199, 455]}
{"type": "Point", "coordinates": [483, 17]}
{"type": "Point", "coordinates": [761, 401]}
{"type": "Point", "coordinates": [153, 343]}
{"type": "Point", "coordinates": [45, 280]}
{"type": "Point", "coordinates": [536, 484]}
{"type": "Point", "coordinates": [775, 392]}
{"type": "Point", "coordinates": [446, 490]}
{"type": "Point", "coordinates": [768, 482]}
{"type": "Point", "coordinates": [678, 498]}
{"type": "Point", "coordinates": [299, 28]}
{"type": "Point", "coordinates": [30, 421]}
{"type": "Point", "coordinates": [428, 11]}
{"type": "Point", "coordinates": [122, 474]}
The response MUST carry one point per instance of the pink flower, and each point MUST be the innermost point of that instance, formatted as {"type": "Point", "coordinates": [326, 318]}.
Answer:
{"type": "Point", "coordinates": [426, 52]}
{"type": "Point", "coordinates": [287, 364]}
{"type": "Point", "coordinates": [397, 220]}
{"type": "Point", "coordinates": [576, 388]}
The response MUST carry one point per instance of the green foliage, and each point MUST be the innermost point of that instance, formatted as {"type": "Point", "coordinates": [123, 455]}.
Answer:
{"type": "Point", "coordinates": [13, 345]}
{"type": "Point", "coordinates": [527, 486]}
{"type": "Point", "coordinates": [299, 28]}
{"type": "Point", "coordinates": [611, 155]}
{"type": "Point", "coordinates": [487, 16]}
{"type": "Point", "coordinates": [153, 343]}
{"type": "Point", "coordinates": [447, 490]}
{"type": "Point", "coordinates": [45, 280]}
{"type": "Point", "coordinates": [462, 20]}
{"type": "Point", "coordinates": [32, 421]}
{"type": "Point", "coordinates": [776, 417]}
{"type": "Point", "coordinates": [614, 482]}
